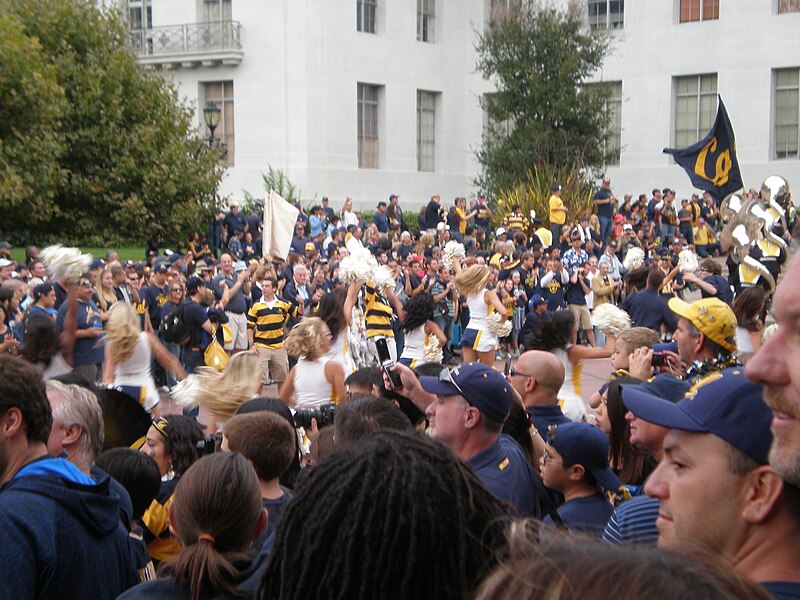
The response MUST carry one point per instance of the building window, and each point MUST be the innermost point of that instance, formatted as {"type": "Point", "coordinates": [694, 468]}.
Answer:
{"type": "Point", "coordinates": [788, 6]}
{"type": "Point", "coordinates": [698, 10]}
{"type": "Point", "coordinates": [500, 10]}
{"type": "Point", "coordinates": [612, 139]}
{"type": "Point", "coordinates": [221, 94]}
{"type": "Point", "coordinates": [367, 126]}
{"type": "Point", "coordinates": [426, 19]}
{"type": "Point", "coordinates": [606, 14]}
{"type": "Point", "coordinates": [787, 113]}
{"type": "Point", "coordinates": [218, 11]}
{"type": "Point", "coordinates": [426, 135]}
{"type": "Point", "coordinates": [695, 107]}
{"type": "Point", "coordinates": [365, 15]}
{"type": "Point", "coordinates": [140, 14]}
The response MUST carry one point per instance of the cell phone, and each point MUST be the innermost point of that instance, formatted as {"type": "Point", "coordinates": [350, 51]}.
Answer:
{"type": "Point", "coordinates": [659, 359]}
{"type": "Point", "coordinates": [382, 346]}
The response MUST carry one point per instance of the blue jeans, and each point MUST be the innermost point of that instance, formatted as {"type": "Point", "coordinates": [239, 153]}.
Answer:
{"type": "Point", "coordinates": [445, 323]}
{"type": "Point", "coordinates": [606, 226]}
{"type": "Point", "coordinates": [175, 350]}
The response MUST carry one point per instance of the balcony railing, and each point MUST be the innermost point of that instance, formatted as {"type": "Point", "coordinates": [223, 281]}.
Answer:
{"type": "Point", "coordinates": [190, 43]}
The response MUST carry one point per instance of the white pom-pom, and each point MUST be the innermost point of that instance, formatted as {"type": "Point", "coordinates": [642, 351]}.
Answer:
{"type": "Point", "coordinates": [187, 392]}
{"type": "Point", "coordinates": [688, 261]}
{"type": "Point", "coordinates": [768, 332]}
{"type": "Point", "coordinates": [383, 279]}
{"type": "Point", "coordinates": [610, 319]}
{"type": "Point", "coordinates": [65, 264]}
{"type": "Point", "coordinates": [634, 258]}
{"type": "Point", "coordinates": [452, 251]}
{"type": "Point", "coordinates": [432, 352]}
{"type": "Point", "coordinates": [499, 325]}
{"type": "Point", "coordinates": [359, 266]}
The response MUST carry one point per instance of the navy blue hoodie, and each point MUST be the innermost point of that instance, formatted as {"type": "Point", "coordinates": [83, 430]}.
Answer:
{"type": "Point", "coordinates": [61, 536]}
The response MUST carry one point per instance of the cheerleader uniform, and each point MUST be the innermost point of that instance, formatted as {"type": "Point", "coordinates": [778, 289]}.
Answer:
{"type": "Point", "coordinates": [477, 334]}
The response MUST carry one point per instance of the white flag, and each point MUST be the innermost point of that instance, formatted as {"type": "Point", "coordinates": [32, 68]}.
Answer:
{"type": "Point", "coordinates": [279, 220]}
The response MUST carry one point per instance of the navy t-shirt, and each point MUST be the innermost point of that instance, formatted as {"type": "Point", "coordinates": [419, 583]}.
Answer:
{"type": "Point", "coordinates": [506, 471]}
{"type": "Point", "coordinates": [724, 292]}
{"type": "Point", "coordinates": [604, 210]}
{"type": "Point", "coordinates": [382, 221]}
{"type": "Point", "coordinates": [575, 294]}
{"type": "Point", "coordinates": [154, 299]}
{"type": "Point", "coordinates": [587, 515]}
{"type": "Point", "coordinates": [87, 351]}
{"type": "Point", "coordinates": [194, 316]}
{"type": "Point", "coordinates": [782, 590]}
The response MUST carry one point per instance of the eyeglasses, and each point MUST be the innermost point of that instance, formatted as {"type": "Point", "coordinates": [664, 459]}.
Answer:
{"type": "Point", "coordinates": [512, 372]}
{"type": "Point", "coordinates": [177, 289]}
{"type": "Point", "coordinates": [547, 458]}
{"type": "Point", "coordinates": [447, 377]}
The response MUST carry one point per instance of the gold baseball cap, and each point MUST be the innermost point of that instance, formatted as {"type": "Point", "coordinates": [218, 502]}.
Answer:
{"type": "Point", "coordinates": [712, 317]}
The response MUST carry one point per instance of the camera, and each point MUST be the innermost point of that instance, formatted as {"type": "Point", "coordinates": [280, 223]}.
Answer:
{"type": "Point", "coordinates": [659, 360]}
{"type": "Point", "coordinates": [209, 445]}
{"type": "Point", "coordinates": [324, 416]}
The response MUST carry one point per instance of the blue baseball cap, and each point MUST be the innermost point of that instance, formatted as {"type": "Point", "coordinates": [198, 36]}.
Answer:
{"type": "Point", "coordinates": [585, 445]}
{"type": "Point", "coordinates": [725, 404]}
{"type": "Point", "coordinates": [160, 267]}
{"type": "Point", "coordinates": [664, 386]}
{"type": "Point", "coordinates": [536, 300]}
{"type": "Point", "coordinates": [479, 384]}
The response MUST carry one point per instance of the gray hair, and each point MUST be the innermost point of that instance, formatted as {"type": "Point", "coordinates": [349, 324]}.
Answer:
{"type": "Point", "coordinates": [80, 407]}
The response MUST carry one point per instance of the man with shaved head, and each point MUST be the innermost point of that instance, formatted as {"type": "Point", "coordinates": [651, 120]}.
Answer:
{"type": "Point", "coordinates": [538, 377]}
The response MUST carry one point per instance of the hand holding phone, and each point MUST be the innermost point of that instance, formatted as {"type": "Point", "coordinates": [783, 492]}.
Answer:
{"type": "Point", "coordinates": [385, 359]}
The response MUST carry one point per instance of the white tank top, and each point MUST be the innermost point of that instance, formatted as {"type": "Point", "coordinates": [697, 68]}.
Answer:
{"type": "Point", "coordinates": [340, 352]}
{"type": "Point", "coordinates": [135, 371]}
{"type": "Point", "coordinates": [744, 343]}
{"type": "Point", "coordinates": [414, 348]}
{"type": "Point", "coordinates": [478, 311]}
{"type": "Point", "coordinates": [311, 388]}
{"type": "Point", "coordinates": [570, 397]}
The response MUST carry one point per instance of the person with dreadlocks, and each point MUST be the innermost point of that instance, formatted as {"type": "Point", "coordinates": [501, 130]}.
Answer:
{"type": "Point", "coordinates": [418, 326]}
{"type": "Point", "coordinates": [395, 515]}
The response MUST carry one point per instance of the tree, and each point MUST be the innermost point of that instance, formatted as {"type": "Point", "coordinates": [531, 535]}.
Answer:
{"type": "Point", "coordinates": [124, 161]}
{"type": "Point", "coordinates": [542, 113]}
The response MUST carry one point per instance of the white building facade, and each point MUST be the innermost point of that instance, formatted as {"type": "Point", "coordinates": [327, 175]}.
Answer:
{"type": "Point", "coordinates": [364, 98]}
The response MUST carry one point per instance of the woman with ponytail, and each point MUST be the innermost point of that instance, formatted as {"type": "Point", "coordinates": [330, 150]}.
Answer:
{"type": "Point", "coordinates": [216, 514]}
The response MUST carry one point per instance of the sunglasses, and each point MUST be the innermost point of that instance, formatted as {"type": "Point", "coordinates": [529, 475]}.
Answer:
{"type": "Point", "coordinates": [84, 282]}
{"type": "Point", "coordinates": [177, 289]}
{"type": "Point", "coordinates": [447, 377]}
{"type": "Point", "coordinates": [512, 372]}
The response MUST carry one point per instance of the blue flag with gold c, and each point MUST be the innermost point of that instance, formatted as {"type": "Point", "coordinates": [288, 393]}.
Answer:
{"type": "Point", "coordinates": [711, 163]}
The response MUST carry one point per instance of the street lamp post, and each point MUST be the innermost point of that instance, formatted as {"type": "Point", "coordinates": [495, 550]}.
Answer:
{"type": "Point", "coordinates": [211, 116]}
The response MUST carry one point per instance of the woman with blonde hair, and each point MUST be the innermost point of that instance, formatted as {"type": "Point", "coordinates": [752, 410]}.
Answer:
{"type": "Point", "coordinates": [315, 379]}
{"type": "Point", "coordinates": [426, 240]}
{"type": "Point", "coordinates": [104, 295]}
{"type": "Point", "coordinates": [478, 342]}
{"type": "Point", "coordinates": [220, 394]}
{"type": "Point", "coordinates": [129, 352]}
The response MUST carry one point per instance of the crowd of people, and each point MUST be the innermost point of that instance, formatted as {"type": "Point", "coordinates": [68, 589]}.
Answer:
{"type": "Point", "coordinates": [292, 429]}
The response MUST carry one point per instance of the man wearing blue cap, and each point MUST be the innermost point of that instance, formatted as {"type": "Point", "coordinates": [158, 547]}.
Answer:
{"type": "Point", "coordinates": [466, 409]}
{"type": "Point", "coordinates": [575, 463]}
{"type": "Point", "coordinates": [714, 483]}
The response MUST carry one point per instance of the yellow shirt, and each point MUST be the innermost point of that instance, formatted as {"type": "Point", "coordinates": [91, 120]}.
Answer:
{"type": "Point", "coordinates": [462, 220]}
{"type": "Point", "coordinates": [557, 216]}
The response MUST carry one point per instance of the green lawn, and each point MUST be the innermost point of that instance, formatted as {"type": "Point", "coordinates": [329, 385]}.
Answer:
{"type": "Point", "coordinates": [125, 253]}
